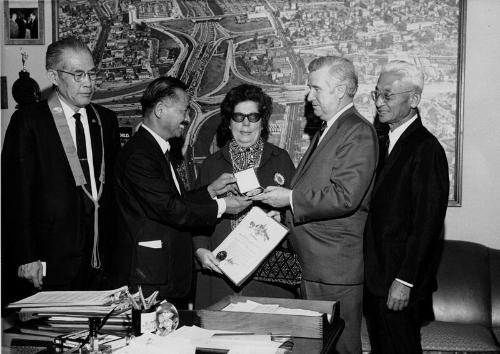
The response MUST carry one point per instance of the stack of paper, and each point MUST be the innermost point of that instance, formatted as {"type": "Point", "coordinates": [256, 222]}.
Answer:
{"type": "Point", "coordinates": [75, 303]}
{"type": "Point", "coordinates": [255, 307]}
{"type": "Point", "coordinates": [186, 340]}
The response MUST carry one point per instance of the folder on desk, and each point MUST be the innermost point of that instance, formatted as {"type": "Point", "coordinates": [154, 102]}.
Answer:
{"type": "Point", "coordinates": [70, 298]}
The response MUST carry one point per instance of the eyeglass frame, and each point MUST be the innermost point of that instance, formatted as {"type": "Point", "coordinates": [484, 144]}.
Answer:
{"type": "Point", "coordinates": [83, 73]}
{"type": "Point", "coordinates": [385, 95]}
{"type": "Point", "coordinates": [247, 116]}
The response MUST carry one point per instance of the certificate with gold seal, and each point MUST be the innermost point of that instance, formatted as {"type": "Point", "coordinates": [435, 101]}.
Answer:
{"type": "Point", "coordinates": [246, 247]}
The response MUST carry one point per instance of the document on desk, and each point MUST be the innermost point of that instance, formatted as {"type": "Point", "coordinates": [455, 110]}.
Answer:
{"type": "Point", "coordinates": [246, 247]}
{"type": "Point", "coordinates": [70, 298]}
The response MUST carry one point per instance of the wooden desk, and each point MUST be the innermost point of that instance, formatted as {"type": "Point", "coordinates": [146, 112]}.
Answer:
{"type": "Point", "coordinates": [300, 345]}
{"type": "Point", "coordinates": [13, 344]}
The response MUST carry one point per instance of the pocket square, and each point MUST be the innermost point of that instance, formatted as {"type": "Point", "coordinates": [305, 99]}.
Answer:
{"type": "Point", "coordinates": [150, 244]}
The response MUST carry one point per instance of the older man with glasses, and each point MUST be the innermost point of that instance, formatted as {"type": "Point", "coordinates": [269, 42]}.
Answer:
{"type": "Point", "coordinates": [57, 196]}
{"type": "Point", "coordinates": [406, 215]}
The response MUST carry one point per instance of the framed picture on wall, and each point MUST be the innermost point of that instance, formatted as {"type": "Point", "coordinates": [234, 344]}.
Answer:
{"type": "Point", "coordinates": [215, 45]}
{"type": "Point", "coordinates": [24, 22]}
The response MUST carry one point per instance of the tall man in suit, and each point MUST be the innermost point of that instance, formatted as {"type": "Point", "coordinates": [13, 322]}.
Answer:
{"type": "Point", "coordinates": [406, 216]}
{"type": "Point", "coordinates": [330, 196]}
{"type": "Point", "coordinates": [57, 202]}
{"type": "Point", "coordinates": [156, 213]}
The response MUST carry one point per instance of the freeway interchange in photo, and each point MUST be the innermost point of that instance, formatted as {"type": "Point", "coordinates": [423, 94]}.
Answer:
{"type": "Point", "coordinates": [214, 45]}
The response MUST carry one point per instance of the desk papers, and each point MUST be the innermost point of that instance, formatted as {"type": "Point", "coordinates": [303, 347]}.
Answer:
{"type": "Point", "coordinates": [246, 247]}
{"type": "Point", "coordinates": [255, 307]}
{"type": "Point", "coordinates": [70, 298]}
{"type": "Point", "coordinates": [77, 303]}
{"type": "Point", "coordinates": [186, 340]}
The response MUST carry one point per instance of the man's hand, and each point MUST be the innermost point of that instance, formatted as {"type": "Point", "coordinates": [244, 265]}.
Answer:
{"type": "Point", "coordinates": [399, 296]}
{"type": "Point", "coordinates": [277, 197]}
{"type": "Point", "coordinates": [33, 272]}
{"type": "Point", "coordinates": [208, 260]}
{"type": "Point", "coordinates": [224, 183]}
{"type": "Point", "coordinates": [236, 204]}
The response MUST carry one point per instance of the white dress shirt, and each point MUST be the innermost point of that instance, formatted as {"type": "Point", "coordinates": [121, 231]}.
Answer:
{"type": "Point", "coordinates": [164, 146]}
{"type": "Point", "coordinates": [395, 134]}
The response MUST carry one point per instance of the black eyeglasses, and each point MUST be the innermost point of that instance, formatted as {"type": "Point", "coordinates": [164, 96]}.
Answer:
{"type": "Point", "coordinates": [240, 117]}
{"type": "Point", "coordinates": [79, 75]}
{"type": "Point", "coordinates": [386, 96]}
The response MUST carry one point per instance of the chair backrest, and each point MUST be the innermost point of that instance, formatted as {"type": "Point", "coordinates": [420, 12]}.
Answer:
{"type": "Point", "coordinates": [495, 286]}
{"type": "Point", "coordinates": [463, 278]}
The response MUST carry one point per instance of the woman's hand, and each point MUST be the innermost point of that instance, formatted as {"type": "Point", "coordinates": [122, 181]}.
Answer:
{"type": "Point", "coordinates": [275, 214]}
{"type": "Point", "coordinates": [208, 260]}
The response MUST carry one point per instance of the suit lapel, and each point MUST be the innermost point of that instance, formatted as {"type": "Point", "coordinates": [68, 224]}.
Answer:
{"type": "Point", "coordinates": [167, 172]}
{"type": "Point", "coordinates": [306, 160]}
{"type": "Point", "coordinates": [96, 143]}
{"type": "Point", "coordinates": [396, 151]}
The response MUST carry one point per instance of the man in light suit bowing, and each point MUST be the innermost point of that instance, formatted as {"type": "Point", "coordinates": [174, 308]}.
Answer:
{"type": "Point", "coordinates": [407, 211]}
{"type": "Point", "coordinates": [330, 196]}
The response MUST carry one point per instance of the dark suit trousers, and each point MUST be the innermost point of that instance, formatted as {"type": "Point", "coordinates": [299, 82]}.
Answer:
{"type": "Point", "coordinates": [393, 332]}
{"type": "Point", "coordinates": [351, 305]}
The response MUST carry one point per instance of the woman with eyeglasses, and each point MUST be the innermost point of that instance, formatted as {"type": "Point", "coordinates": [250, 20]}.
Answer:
{"type": "Point", "coordinates": [242, 135]}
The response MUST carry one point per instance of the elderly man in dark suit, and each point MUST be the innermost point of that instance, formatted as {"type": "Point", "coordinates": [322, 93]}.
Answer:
{"type": "Point", "coordinates": [330, 196]}
{"type": "Point", "coordinates": [156, 213]}
{"type": "Point", "coordinates": [57, 202]}
{"type": "Point", "coordinates": [406, 216]}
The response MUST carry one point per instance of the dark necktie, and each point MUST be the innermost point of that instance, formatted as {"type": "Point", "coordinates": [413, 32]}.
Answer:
{"type": "Point", "coordinates": [173, 171]}
{"type": "Point", "coordinates": [316, 141]}
{"type": "Point", "coordinates": [384, 150]}
{"type": "Point", "coordinates": [81, 147]}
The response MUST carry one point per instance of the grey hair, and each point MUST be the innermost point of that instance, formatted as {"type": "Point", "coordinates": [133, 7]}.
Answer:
{"type": "Point", "coordinates": [55, 51]}
{"type": "Point", "coordinates": [410, 73]}
{"type": "Point", "coordinates": [339, 67]}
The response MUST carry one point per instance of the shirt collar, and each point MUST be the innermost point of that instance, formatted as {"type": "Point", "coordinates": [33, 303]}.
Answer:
{"type": "Point", "coordinates": [395, 134]}
{"type": "Point", "coordinates": [332, 120]}
{"type": "Point", "coordinates": [68, 111]}
{"type": "Point", "coordinates": [164, 145]}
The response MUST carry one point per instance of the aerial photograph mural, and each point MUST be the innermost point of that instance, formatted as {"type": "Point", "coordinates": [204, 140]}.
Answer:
{"type": "Point", "coordinates": [214, 45]}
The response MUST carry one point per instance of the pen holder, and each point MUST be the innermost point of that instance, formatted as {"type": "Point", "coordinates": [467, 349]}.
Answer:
{"type": "Point", "coordinates": [143, 321]}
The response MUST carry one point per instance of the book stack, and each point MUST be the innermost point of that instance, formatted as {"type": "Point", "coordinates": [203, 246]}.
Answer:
{"type": "Point", "coordinates": [48, 315]}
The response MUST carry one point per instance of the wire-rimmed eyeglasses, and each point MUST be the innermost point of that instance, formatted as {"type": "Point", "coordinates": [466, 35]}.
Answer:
{"type": "Point", "coordinates": [386, 96]}
{"type": "Point", "coordinates": [240, 117]}
{"type": "Point", "coordinates": [79, 75]}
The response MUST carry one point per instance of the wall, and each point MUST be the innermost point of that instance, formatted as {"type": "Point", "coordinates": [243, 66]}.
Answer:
{"type": "Point", "coordinates": [478, 219]}
{"type": "Point", "coordinates": [11, 61]}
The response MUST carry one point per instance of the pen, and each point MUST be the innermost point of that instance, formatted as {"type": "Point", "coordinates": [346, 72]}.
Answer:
{"type": "Point", "coordinates": [141, 296]}
{"type": "Point", "coordinates": [152, 298]}
{"type": "Point", "coordinates": [132, 301]}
